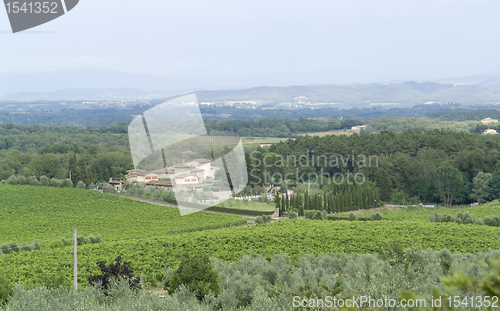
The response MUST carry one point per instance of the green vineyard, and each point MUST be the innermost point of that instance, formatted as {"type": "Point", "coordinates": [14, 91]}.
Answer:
{"type": "Point", "coordinates": [28, 213]}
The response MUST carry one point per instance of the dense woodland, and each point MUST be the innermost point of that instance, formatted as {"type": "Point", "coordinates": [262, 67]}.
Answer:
{"type": "Point", "coordinates": [434, 166]}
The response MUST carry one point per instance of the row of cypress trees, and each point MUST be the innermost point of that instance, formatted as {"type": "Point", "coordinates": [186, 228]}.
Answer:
{"type": "Point", "coordinates": [336, 199]}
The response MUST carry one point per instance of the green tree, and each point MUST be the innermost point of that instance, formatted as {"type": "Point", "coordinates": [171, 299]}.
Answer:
{"type": "Point", "coordinates": [384, 184]}
{"type": "Point", "coordinates": [495, 184]}
{"type": "Point", "coordinates": [481, 187]}
{"type": "Point", "coordinates": [448, 181]}
{"type": "Point", "coordinates": [47, 164]}
{"type": "Point", "coordinates": [197, 274]}
{"type": "Point", "coordinates": [74, 170]}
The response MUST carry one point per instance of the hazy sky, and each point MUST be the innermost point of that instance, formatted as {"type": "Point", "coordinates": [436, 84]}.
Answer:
{"type": "Point", "coordinates": [250, 43]}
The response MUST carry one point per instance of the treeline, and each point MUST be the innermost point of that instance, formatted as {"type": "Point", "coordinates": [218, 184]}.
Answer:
{"type": "Point", "coordinates": [464, 115]}
{"type": "Point", "coordinates": [433, 166]}
{"type": "Point", "coordinates": [74, 117]}
{"type": "Point", "coordinates": [279, 127]}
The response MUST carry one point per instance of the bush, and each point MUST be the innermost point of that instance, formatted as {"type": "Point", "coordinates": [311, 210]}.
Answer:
{"type": "Point", "coordinates": [197, 274]}
{"type": "Point", "coordinates": [5, 290]}
{"type": "Point", "coordinates": [9, 247]}
{"type": "Point", "coordinates": [36, 245]}
{"type": "Point", "coordinates": [266, 218]}
{"type": "Point", "coordinates": [67, 183]}
{"type": "Point", "coordinates": [27, 247]}
{"type": "Point", "coordinates": [376, 216]}
{"type": "Point", "coordinates": [21, 180]}
{"type": "Point", "coordinates": [94, 240]}
{"type": "Point", "coordinates": [32, 180]}
{"type": "Point", "coordinates": [55, 182]}
{"type": "Point", "coordinates": [80, 185]}
{"type": "Point", "coordinates": [318, 215]}
{"type": "Point", "coordinates": [114, 272]}
{"type": "Point", "coordinates": [259, 220]}
{"type": "Point", "coordinates": [435, 218]}
{"type": "Point", "coordinates": [492, 221]}
{"type": "Point", "coordinates": [44, 181]}
{"type": "Point", "coordinates": [353, 217]}
{"type": "Point", "coordinates": [309, 214]}
{"type": "Point", "coordinates": [292, 215]}
{"type": "Point", "coordinates": [66, 242]}
{"type": "Point", "coordinates": [12, 180]}
{"type": "Point", "coordinates": [82, 240]}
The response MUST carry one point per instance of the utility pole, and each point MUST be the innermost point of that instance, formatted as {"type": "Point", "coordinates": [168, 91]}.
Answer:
{"type": "Point", "coordinates": [75, 265]}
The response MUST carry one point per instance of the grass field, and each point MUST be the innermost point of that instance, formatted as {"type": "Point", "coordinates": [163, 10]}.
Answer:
{"type": "Point", "coordinates": [263, 140]}
{"type": "Point", "coordinates": [249, 205]}
{"type": "Point", "coordinates": [334, 132]}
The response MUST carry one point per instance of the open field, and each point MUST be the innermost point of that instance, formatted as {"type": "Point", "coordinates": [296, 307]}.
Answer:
{"type": "Point", "coordinates": [263, 140]}
{"type": "Point", "coordinates": [335, 132]}
{"type": "Point", "coordinates": [249, 205]}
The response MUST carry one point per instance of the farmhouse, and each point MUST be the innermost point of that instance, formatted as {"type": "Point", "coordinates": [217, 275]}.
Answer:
{"type": "Point", "coordinates": [157, 184]}
{"type": "Point", "coordinates": [488, 120]}
{"type": "Point", "coordinates": [116, 184]}
{"type": "Point", "coordinates": [182, 176]}
{"type": "Point", "coordinates": [142, 176]}
{"type": "Point", "coordinates": [489, 132]}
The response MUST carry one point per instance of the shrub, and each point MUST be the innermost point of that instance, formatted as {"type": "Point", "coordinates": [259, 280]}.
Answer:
{"type": "Point", "coordinates": [44, 181]}
{"type": "Point", "coordinates": [3, 182]}
{"type": "Point", "coordinates": [197, 274]}
{"type": "Point", "coordinates": [21, 180]}
{"type": "Point", "coordinates": [5, 290]}
{"type": "Point", "coordinates": [94, 240]}
{"type": "Point", "coordinates": [259, 220]}
{"type": "Point", "coordinates": [32, 180]}
{"type": "Point", "coordinates": [66, 242]}
{"type": "Point", "coordinates": [447, 218]}
{"type": "Point", "coordinates": [80, 185]}
{"type": "Point", "coordinates": [318, 215]}
{"type": "Point", "coordinates": [82, 240]}
{"type": "Point", "coordinates": [12, 180]}
{"type": "Point", "coordinates": [27, 247]}
{"type": "Point", "coordinates": [309, 214]}
{"type": "Point", "coordinates": [9, 247]}
{"type": "Point", "coordinates": [36, 245]}
{"type": "Point", "coordinates": [292, 215]}
{"type": "Point", "coordinates": [435, 218]}
{"type": "Point", "coordinates": [55, 182]}
{"type": "Point", "coordinates": [353, 217]}
{"type": "Point", "coordinates": [492, 221]}
{"type": "Point", "coordinates": [114, 272]}
{"type": "Point", "coordinates": [266, 219]}
{"type": "Point", "coordinates": [376, 216]}
{"type": "Point", "coordinates": [67, 183]}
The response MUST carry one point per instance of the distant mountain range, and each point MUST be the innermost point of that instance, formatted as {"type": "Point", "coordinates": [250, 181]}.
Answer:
{"type": "Point", "coordinates": [365, 95]}
{"type": "Point", "coordinates": [92, 84]}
